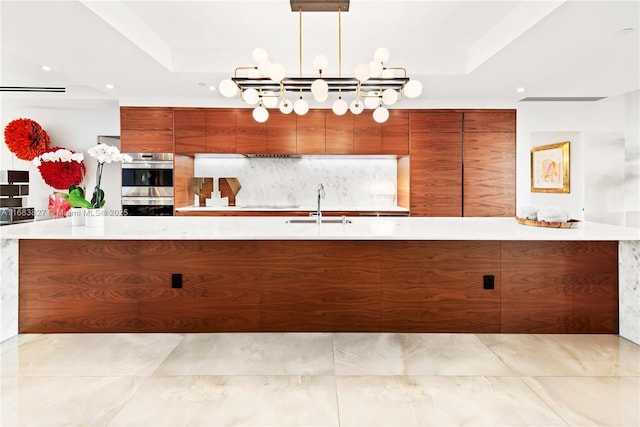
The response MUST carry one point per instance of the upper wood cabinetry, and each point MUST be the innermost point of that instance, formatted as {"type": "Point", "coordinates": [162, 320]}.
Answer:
{"type": "Point", "coordinates": [220, 136]}
{"type": "Point", "coordinates": [146, 129]}
{"type": "Point", "coordinates": [367, 134]}
{"type": "Point", "coordinates": [395, 133]}
{"type": "Point", "coordinates": [489, 163]}
{"type": "Point", "coordinates": [436, 164]}
{"type": "Point", "coordinates": [311, 136]}
{"type": "Point", "coordinates": [251, 136]}
{"type": "Point", "coordinates": [281, 133]}
{"type": "Point", "coordinates": [339, 133]}
{"type": "Point", "coordinates": [189, 132]}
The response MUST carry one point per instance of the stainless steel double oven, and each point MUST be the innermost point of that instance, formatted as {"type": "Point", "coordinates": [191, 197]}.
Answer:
{"type": "Point", "coordinates": [147, 185]}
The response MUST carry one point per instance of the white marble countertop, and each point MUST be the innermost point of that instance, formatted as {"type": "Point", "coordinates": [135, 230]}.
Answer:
{"type": "Point", "coordinates": [276, 228]}
{"type": "Point", "coordinates": [291, 208]}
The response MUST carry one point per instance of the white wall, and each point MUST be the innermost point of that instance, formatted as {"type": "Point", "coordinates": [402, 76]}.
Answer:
{"type": "Point", "coordinates": [74, 128]}
{"type": "Point", "coordinates": [588, 126]}
{"type": "Point", "coordinates": [632, 160]}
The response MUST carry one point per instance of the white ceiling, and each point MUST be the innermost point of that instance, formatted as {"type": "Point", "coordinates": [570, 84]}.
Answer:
{"type": "Point", "coordinates": [157, 52]}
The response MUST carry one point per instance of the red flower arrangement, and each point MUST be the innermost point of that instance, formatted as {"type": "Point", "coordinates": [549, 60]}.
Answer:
{"type": "Point", "coordinates": [61, 168]}
{"type": "Point", "coordinates": [58, 205]}
{"type": "Point", "coordinates": [26, 138]}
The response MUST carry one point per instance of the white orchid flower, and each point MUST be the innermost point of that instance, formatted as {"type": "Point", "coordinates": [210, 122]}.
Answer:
{"type": "Point", "coordinates": [36, 161]}
{"type": "Point", "coordinates": [77, 157]}
{"type": "Point", "coordinates": [64, 155]}
{"type": "Point", "coordinates": [127, 158]}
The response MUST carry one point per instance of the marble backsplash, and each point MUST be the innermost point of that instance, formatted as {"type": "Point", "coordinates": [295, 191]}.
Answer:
{"type": "Point", "coordinates": [348, 181]}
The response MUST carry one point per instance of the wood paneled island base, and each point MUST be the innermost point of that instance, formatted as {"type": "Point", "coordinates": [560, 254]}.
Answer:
{"type": "Point", "coordinates": [318, 285]}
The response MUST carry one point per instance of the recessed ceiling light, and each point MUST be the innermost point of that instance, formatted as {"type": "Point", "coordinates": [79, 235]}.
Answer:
{"type": "Point", "coordinates": [520, 90]}
{"type": "Point", "coordinates": [109, 86]}
{"type": "Point", "coordinates": [627, 30]}
{"type": "Point", "coordinates": [212, 88]}
{"type": "Point", "coordinates": [46, 68]}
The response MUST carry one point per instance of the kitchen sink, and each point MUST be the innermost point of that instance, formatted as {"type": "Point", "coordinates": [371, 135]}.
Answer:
{"type": "Point", "coordinates": [342, 220]}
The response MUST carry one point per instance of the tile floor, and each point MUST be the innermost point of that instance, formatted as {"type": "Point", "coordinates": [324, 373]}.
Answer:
{"type": "Point", "coordinates": [319, 380]}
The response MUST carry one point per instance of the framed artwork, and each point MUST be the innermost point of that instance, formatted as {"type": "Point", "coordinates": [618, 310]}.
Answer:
{"type": "Point", "coordinates": [550, 168]}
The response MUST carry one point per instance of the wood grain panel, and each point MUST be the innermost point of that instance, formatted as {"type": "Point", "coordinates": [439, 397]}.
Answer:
{"type": "Point", "coordinates": [403, 170]}
{"type": "Point", "coordinates": [189, 130]}
{"type": "Point", "coordinates": [430, 122]}
{"type": "Point", "coordinates": [183, 170]}
{"type": "Point", "coordinates": [281, 133]}
{"type": "Point", "coordinates": [251, 136]}
{"type": "Point", "coordinates": [489, 174]}
{"type": "Point", "coordinates": [490, 121]}
{"type": "Point", "coordinates": [395, 133]}
{"type": "Point", "coordinates": [220, 133]}
{"type": "Point", "coordinates": [311, 132]}
{"type": "Point", "coordinates": [77, 286]}
{"type": "Point", "coordinates": [220, 289]}
{"type": "Point", "coordinates": [320, 286]}
{"type": "Point", "coordinates": [438, 286]}
{"type": "Point", "coordinates": [146, 118]}
{"type": "Point", "coordinates": [367, 135]}
{"type": "Point", "coordinates": [146, 141]}
{"type": "Point", "coordinates": [339, 134]}
{"type": "Point", "coordinates": [436, 174]}
{"type": "Point", "coordinates": [559, 287]}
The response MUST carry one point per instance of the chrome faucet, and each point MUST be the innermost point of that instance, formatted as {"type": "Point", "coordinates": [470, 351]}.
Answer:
{"type": "Point", "coordinates": [321, 195]}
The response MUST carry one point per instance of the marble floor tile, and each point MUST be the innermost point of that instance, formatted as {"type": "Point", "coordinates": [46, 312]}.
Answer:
{"type": "Point", "coordinates": [565, 354]}
{"type": "Point", "coordinates": [232, 401]}
{"type": "Point", "coordinates": [415, 354]}
{"type": "Point", "coordinates": [591, 401]}
{"type": "Point", "coordinates": [440, 401]}
{"type": "Point", "coordinates": [89, 354]}
{"type": "Point", "coordinates": [251, 354]}
{"type": "Point", "coordinates": [63, 401]}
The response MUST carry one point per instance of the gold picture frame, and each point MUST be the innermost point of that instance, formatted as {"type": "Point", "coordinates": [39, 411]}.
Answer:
{"type": "Point", "coordinates": [550, 168]}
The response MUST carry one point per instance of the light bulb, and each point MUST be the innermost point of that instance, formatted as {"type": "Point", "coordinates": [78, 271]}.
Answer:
{"type": "Point", "coordinates": [260, 114]}
{"type": "Point", "coordinates": [413, 89]}
{"type": "Point", "coordinates": [363, 72]}
{"type": "Point", "coordinates": [320, 62]}
{"type": "Point", "coordinates": [381, 54]}
{"type": "Point", "coordinates": [380, 114]}
{"type": "Point", "coordinates": [259, 55]}
{"type": "Point", "coordinates": [251, 96]}
{"type": "Point", "coordinates": [301, 107]}
{"type": "Point", "coordinates": [286, 106]}
{"type": "Point", "coordinates": [372, 100]}
{"type": "Point", "coordinates": [320, 90]}
{"type": "Point", "coordinates": [228, 88]}
{"type": "Point", "coordinates": [263, 67]}
{"type": "Point", "coordinates": [269, 99]}
{"type": "Point", "coordinates": [389, 96]}
{"type": "Point", "coordinates": [340, 107]}
{"type": "Point", "coordinates": [276, 72]}
{"type": "Point", "coordinates": [375, 68]}
{"type": "Point", "coordinates": [356, 106]}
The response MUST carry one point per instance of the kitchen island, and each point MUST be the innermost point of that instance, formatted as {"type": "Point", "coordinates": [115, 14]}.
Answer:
{"type": "Point", "coordinates": [179, 274]}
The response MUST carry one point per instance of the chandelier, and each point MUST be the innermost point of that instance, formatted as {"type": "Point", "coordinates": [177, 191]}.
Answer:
{"type": "Point", "coordinates": [374, 85]}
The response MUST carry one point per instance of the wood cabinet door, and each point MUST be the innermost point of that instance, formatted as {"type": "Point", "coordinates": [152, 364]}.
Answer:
{"type": "Point", "coordinates": [146, 129]}
{"type": "Point", "coordinates": [559, 287]}
{"type": "Point", "coordinates": [281, 133]}
{"type": "Point", "coordinates": [490, 121]}
{"type": "Point", "coordinates": [340, 133]}
{"type": "Point", "coordinates": [440, 121]}
{"type": "Point", "coordinates": [436, 174]}
{"type": "Point", "coordinates": [220, 135]}
{"type": "Point", "coordinates": [438, 286]}
{"type": "Point", "coordinates": [489, 174]}
{"type": "Point", "coordinates": [251, 136]}
{"type": "Point", "coordinates": [395, 133]}
{"type": "Point", "coordinates": [311, 136]}
{"type": "Point", "coordinates": [367, 134]}
{"type": "Point", "coordinates": [189, 130]}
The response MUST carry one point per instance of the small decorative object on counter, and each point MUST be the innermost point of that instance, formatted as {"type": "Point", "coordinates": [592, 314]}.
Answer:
{"type": "Point", "coordinates": [550, 217]}
{"type": "Point", "coordinates": [202, 187]}
{"type": "Point", "coordinates": [58, 205]}
{"type": "Point", "coordinates": [104, 153]}
{"type": "Point", "coordinates": [229, 187]}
